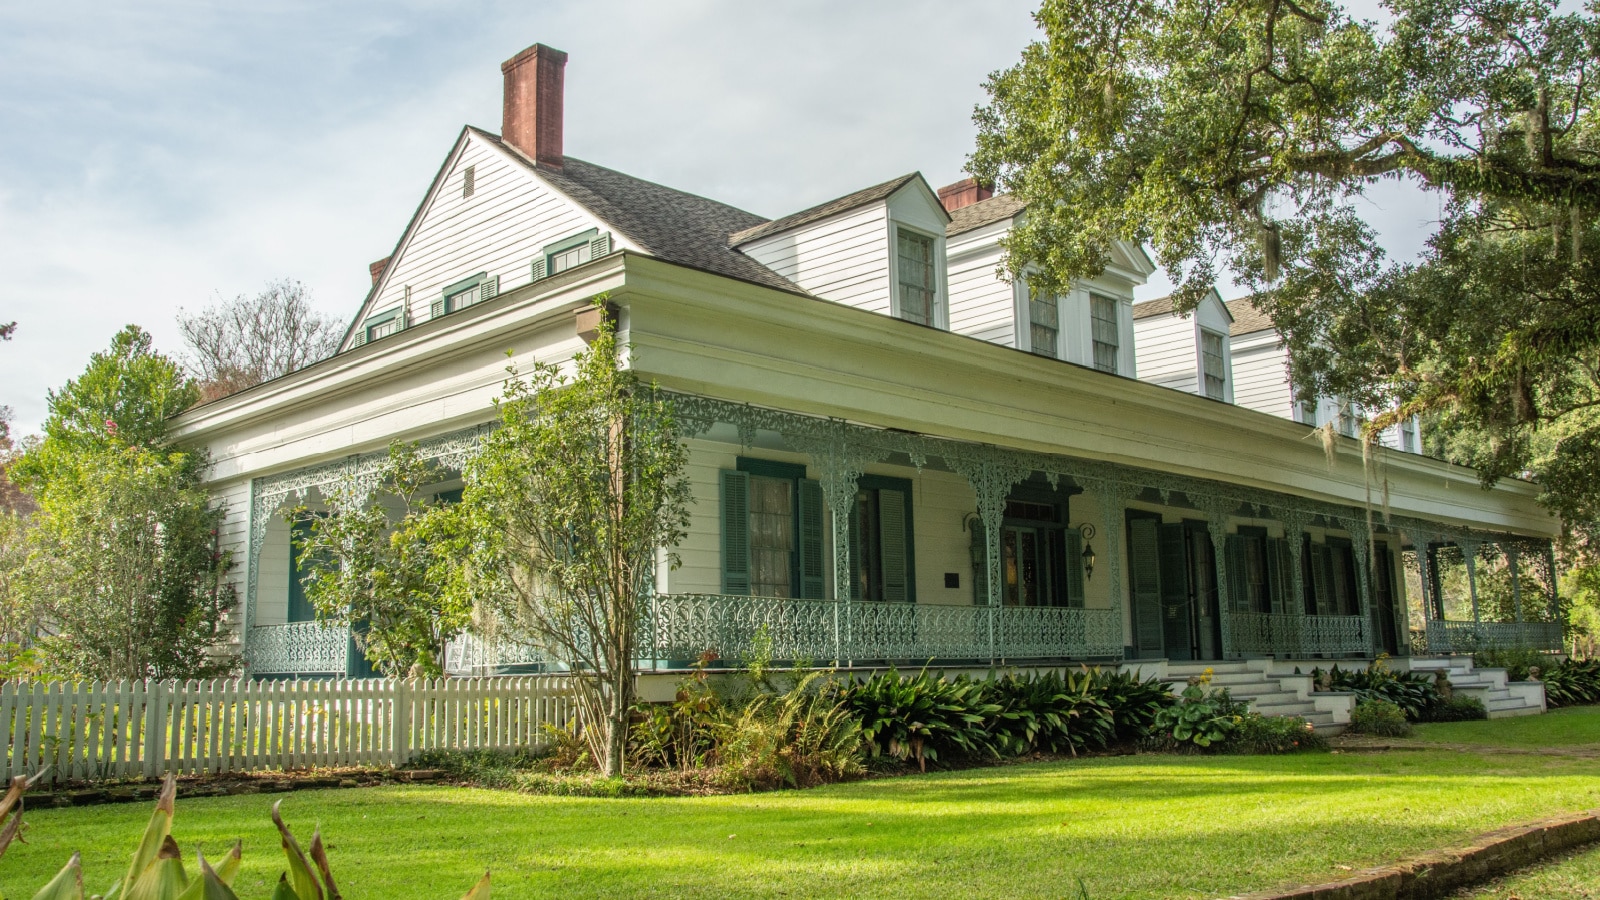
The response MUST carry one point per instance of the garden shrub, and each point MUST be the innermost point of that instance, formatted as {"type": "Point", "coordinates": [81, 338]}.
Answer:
{"type": "Point", "coordinates": [1413, 692]}
{"type": "Point", "coordinates": [1459, 708]}
{"type": "Point", "coordinates": [1572, 682]}
{"type": "Point", "coordinates": [922, 717]}
{"type": "Point", "coordinates": [1048, 712]}
{"type": "Point", "coordinates": [1256, 733]}
{"type": "Point", "coordinates": [1134, 703]}
{"type": "Point", "coordinates": [1520, 664]}
{"type": "Point", "coordinates": [1379, 717]}
{"type": "Point", "coordinates": [1200, 720]}
{"type": "Point", "coordinates": [802, 737]}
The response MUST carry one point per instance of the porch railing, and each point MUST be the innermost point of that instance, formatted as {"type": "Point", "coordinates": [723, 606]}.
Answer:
{"type": "Point", "coordinates": [1445, 636]}
{"type": "Point", "coordinates": [298, 648]}
{"type": "Point", "coordinates": [680, 627]}
{"type": "Point", "coordinates": [683, 626]}
{"type": "Point", "coordinates": [1280, 634]}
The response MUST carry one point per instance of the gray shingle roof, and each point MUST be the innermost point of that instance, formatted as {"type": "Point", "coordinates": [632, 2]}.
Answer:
{"type": "Point", "coordinates": [817, 213]}
{"type": "Point", "coordinates": [1161, 306]}
{"type": "Point", "coordinates": [669, 224]}
{"type": "Point", "coordinates": [984, 212]}
{"type": "Point", "coordinates": [1246, 318]}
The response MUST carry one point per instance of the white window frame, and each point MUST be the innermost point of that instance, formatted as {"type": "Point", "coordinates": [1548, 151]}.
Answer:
{"type": "Point", "coordinates": [1123, 343]}
{"type": "Point", "coordinates": [941, 305]}
{"type": "Point", "coordinates": [1200, 334]}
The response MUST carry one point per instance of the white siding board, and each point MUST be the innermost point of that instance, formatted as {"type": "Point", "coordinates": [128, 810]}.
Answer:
{"type": "Point", "coordinates": [844, 258]}
{"type": "Point", "coordinates": [1166, 348]}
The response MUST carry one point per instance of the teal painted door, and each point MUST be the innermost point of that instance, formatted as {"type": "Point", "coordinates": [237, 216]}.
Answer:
{"type": "Point", "coordinates": [1177, 596]}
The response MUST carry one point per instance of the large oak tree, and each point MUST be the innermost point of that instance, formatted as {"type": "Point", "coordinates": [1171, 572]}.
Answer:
{"type": "Point", "coordinates": [1232, 138]}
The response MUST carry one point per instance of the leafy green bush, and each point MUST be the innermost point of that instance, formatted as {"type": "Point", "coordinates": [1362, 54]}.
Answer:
{"type": "Point", "coordinates": [1459, 708]}
{"type": "Point", "coordinates": [1256, 733]}
{"type": "Point", "coordinates": [1049, 712]}
{"type": "Point", "coordinates": [1520, 664]}
{"type": "Point", "coordinates": [1134, 703]}
{"type": "Point", "coordinates": [1572, 682]}
{"type": "Point", "coordinates": [1413, 692]}
{"type": "Point", "coordinates": [922, 717]}
{"type": "Point", "coordinates": [1380, 717]}
{"type": "Point", "coordinates": [1200, 719]}
{"type": "Point", "coordinates": [802, 737]}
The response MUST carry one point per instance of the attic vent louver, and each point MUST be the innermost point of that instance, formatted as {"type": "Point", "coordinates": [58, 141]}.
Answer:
{"type": "Point", "coordinates": [469, 180]}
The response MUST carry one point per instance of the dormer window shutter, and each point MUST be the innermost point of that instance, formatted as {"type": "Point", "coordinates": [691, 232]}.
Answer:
{"type": "Point", "coordinates": [538, 269]}
{"type": "Point", "coordinates": [600, 246]}
{"type": "Point", "coordinates": [360, 339]}
{"type": "Point", "coordinates": [488, 288]}
{"type": "Point", "coordinates": [436, 308]}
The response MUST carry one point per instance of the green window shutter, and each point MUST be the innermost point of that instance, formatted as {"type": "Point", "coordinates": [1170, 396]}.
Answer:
{"type": "Point", "coordinates": [1073, 542]}
{"type": "Point", "coordinates": [1238, 586]}
{"type": "Point", "coordinates": [1280, 579]}
{"type": "Point", "coordinates": [1322, 578]}
{"type": "Point", "coordinates": [1145, 563]}
{"type": "Point", "coordinates": [437, 308]}
{"type": "Point", "coordinates": [539, 268]}
{"type": "Point", "coordinates": [488, 288]}
{"type": "Point", "coordinates": [359, 339]}
{"type": "Point", "coordinates": [812, 582]}
{"type": "Point", "coordinates": [892, 545]}
{"type": "Point", "coordinates": [300, 608]}
{"type": "Point", "coordinates": [735, 532]}
{"type": "Point", "coordinates": [600, 246]}
{"type": "Point", "coordinates": [980, 563]}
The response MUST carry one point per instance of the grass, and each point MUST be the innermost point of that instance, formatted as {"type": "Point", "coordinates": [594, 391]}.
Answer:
{"type": "Point", "coordinates": [1145, 826]}
{"type": "Point", "coordinates": [1576, 727]}
{"type": "Point", "coordinates": [1576, 877]}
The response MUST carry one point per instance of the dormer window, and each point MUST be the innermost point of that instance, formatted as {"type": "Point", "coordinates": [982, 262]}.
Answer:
{"type": "Point", "coordinates": [914, 271]}
{"type": "Point", "coordinates": [1214, 365]}
{"type": "Point", "coordinates": [464, 293]}
{"type": "Point", "coordinates": [1044, 325]}
{"type": "Point", "coordinates": [1103, 324]}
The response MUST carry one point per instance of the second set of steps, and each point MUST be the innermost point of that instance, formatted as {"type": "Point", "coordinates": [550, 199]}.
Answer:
{"type": "Point", "coordinates": [1269, 694]}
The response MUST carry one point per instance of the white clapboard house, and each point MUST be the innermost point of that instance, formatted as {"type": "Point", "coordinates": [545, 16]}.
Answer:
{"type": "Point", "coordinates": [896, 454]}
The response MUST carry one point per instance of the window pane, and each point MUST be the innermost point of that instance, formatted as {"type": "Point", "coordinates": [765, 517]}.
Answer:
{"type": "Point", "coordinates": [771, 536]}
{"type": "Point", "coordinates": [1103, 331]}
{"type": "Point", "coordinates": [1216, 372]}
{"type": "Point", "coordinates": [566, 259]}
{"type": "Point", "coordinates": [1043, 322]}
{"type": "Point", "coordinates": [915, 272]}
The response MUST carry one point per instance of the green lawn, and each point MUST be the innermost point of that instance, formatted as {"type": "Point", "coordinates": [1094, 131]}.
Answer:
{"type": "Point", "coordinates": [1574, 878]}
{"type": "Point", "coordinates": [1576, 727]}
{"type": "Point", "coordinates": [1148, 826]}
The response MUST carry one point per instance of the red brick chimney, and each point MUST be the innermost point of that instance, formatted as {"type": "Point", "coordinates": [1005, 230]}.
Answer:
{"type": "Point", "coordinates": [377, 268]}
{"type": "Point", "coordinates": [965, 192]}
{"type": "Point", "coordinates": [531, 119]}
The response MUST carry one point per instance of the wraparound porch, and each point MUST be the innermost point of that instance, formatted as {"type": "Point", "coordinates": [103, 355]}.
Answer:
{"type": "Point", "coordinates": [1317, 593]}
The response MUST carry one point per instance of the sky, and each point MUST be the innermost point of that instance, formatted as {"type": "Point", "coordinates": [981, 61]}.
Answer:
{"type": "Point", "coordinates": [159, 155]}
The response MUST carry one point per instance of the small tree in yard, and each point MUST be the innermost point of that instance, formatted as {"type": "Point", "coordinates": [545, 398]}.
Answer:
{"type": "Point", "coordinates": [390, 582]}
{"type": "Point", "coordinates": [123, 568]}
{"type": "Point", "coordinates": [566, 506]}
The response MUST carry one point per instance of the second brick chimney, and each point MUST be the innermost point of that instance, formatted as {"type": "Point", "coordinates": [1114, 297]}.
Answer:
{"type": "Point", "coordinates": [532, 115]}
{"type": "Point", "coordinates": [965, 192]}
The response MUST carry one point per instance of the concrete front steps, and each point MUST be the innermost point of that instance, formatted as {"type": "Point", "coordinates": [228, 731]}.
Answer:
{"type": "Point", "coordinates": [1501, 696]}
{"type": "Point", "coordinates": [1272, 687]}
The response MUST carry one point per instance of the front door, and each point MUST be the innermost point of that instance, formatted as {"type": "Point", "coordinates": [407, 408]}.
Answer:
{"type": "Point", "coordinates": [1177, 595]}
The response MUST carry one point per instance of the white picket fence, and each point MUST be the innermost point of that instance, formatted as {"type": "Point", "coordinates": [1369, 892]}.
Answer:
{"type": "Point", "coordinates": [90, 731]}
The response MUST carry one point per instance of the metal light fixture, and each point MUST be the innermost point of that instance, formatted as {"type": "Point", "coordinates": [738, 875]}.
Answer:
{"type": "Point", "coordinates": [1087, 531]}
